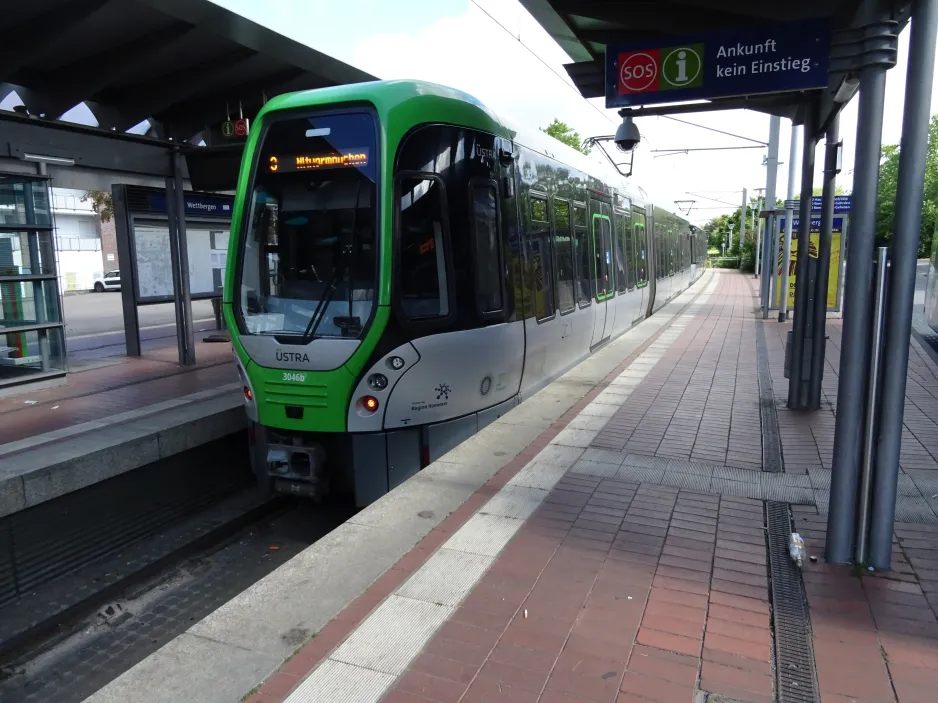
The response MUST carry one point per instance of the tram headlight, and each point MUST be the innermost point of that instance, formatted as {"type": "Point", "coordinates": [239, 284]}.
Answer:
{"type": "Point", "coordinates": [377, 381]}
{"type": "Point", "coordinates": [396, 363]}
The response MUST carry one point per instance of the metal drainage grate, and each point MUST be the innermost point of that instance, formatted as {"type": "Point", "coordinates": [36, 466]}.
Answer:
{"type": "Point", "coordinates": [771, 443]}
{"type": "Point", "coordinates": [794, 654]}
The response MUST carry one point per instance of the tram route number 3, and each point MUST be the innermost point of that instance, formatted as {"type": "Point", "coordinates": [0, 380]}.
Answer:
{"type": "Point", "coordinates": [295, 377]}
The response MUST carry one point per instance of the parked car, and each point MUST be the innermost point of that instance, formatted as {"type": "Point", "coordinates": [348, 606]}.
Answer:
{"type": "Point", "coordinates": [107, 281]}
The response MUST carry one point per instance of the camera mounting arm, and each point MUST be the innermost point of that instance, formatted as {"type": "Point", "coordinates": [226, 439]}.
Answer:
{"type": "Point", "coordinates": [599, 142]}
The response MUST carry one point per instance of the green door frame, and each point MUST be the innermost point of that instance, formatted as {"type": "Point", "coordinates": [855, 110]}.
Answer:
{"type": "Point", "coordinates": [608, 294]}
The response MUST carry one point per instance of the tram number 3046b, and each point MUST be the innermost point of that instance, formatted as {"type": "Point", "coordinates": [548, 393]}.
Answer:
{"type": "Point", "coordinates": [295, 377]}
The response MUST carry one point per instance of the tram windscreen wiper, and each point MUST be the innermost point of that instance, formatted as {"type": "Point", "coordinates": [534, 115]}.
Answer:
{"type": "Point", "coordinates": [319, 313]}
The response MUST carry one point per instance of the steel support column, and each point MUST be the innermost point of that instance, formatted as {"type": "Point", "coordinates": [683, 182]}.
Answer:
{"type": "Point", "coordinates": [789, 221]}
{"type": "Point", "coordinates": [805, 271]}
{"type": "Point", "coordinates": [854, 348]}
{"type": "Point", "coordinates": [768, 241]}
{"type": "Point", "coordinates": [179, 256]}
{"type": "Point", "coordinates": [123, 231]}
{"type": "Point", "coordinates": [818, 341]}
{"type": "Point", "coordinates": [898, 324]}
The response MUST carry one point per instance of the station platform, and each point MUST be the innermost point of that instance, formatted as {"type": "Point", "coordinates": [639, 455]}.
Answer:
{"type": "Point", "coordinates": [116, 414]}
{"type": "Point", "coordinates": [619, 536]}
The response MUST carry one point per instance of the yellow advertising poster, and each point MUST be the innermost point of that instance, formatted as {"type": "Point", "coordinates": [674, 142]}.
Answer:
{"type": "Point", "coordinates": [833, 274]}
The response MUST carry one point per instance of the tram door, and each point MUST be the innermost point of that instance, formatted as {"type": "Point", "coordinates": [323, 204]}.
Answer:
{"type": "Point", "coordinates": [639, 241]}
{"type": "Point", "coordinates": [604, 284]}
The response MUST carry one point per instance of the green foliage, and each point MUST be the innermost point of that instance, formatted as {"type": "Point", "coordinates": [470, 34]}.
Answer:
{"type": "Point", "coordinates": [563, 132]}
{"type": "Point", "coordinates": [838, 190]}
{"type": "Point", "coordinates": [747, 257]}
{"type": "Point", "coordinates": [888, 185]}
{"type": "Point", "coordinates": [724, 263]}
{"type": "Point", "coordinates": [718, 228]}
{"type": "Point", "coordinates": [101, 203]}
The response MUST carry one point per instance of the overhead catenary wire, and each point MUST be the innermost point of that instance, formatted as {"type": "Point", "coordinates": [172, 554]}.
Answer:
{"type": "Point", "coordinates": [549, 67]}
{"type": "Point", "coordinates": [718, 131]}
{"type": "Point", "coordinates": [596, 108]}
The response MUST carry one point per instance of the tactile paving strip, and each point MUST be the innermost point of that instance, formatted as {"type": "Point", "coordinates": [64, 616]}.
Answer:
{"type": "Point", "coordinates": [338, 682]}
{"type": "Point", "coordinates": [446, 578]}
{"type": "Point", "coordinates": [390, 638]}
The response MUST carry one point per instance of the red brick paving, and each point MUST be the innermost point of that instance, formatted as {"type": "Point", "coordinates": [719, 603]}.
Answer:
{"type": "Point", "coordinates": [701, 401]}
{"type": "Point", "coordinates": [336, 631]}
{"type": "Point", "coordinates": [631, 613]}
{"type": "Point", "coordinates": [919, 449]}
{"type": "Point", "coordinates": [97, 393]}
{"type": "Point", "coordinates": [875, 637]}
{"type": "Point", "coordinates": [639, 593]}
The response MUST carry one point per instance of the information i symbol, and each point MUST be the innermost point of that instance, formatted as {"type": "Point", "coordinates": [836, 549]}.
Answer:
{"type": "Point", "coordinates": [681, 67]}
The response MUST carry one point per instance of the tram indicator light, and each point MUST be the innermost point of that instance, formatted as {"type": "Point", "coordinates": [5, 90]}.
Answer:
{"type": "Point", "coordinates": [318, 161]}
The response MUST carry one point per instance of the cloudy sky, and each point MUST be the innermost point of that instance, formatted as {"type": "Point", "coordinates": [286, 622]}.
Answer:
{"type": "Point", "coordinates": [517, 70]}
{"type": "Point", "coordinates": [495, 50]}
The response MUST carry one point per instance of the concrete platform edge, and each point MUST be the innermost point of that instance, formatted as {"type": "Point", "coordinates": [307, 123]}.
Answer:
{"type": "Point", "coordinates": [54, 468]}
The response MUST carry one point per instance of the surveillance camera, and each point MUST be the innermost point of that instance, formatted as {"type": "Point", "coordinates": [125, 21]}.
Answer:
{"type": "Point", "coordinates": [627, 135]}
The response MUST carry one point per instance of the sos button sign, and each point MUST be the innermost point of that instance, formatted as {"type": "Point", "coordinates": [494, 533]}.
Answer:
{"type": "Point", "coordinates": [639, 71]}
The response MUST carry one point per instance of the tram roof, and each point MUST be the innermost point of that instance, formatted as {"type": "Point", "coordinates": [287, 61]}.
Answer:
{"type": "Point", "coordinates": [583, 28]}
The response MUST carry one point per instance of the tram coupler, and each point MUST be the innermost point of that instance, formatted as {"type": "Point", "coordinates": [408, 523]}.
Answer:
{"type": "Point", "coordinates": [298, 469]}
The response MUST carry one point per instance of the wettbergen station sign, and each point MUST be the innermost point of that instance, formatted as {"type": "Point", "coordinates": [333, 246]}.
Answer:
{"type": "Point", "coordinates": [747, 61]}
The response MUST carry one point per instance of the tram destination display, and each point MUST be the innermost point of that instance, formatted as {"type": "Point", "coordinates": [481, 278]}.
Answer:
{"type": "Point", "coordinates": [317, 161]}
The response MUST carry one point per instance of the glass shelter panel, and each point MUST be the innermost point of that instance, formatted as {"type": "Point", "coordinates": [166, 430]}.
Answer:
{"type": "Point", "coordinates": [32, 336]}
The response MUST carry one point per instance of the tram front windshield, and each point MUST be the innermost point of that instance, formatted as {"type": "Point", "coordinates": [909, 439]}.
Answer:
{"type": "Point", "coordinates": [309, 263]}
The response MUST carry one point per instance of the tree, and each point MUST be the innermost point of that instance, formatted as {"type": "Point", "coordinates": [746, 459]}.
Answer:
{"type": "Point", "coordinates": [838, 190]}
{"type": "Point", "coordinates": [101, 203]}
{"type": "Point", "coordinates": [717, 231]}
{"type": "Point", "coordinates": [563, 132]}
{"type": "Point", "coordinates": [888, 186]}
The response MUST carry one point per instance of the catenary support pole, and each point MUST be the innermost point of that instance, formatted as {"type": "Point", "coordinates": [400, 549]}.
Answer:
{"type": "Point", "coordinates": [768, 241]}
{"type": "Point", "coordinates": [854, 348]}
{"type": "Point", "coordinates": [898, 324]}
{"type": "Point", "coordinates": [803, 326]}
{"type": "Point", "coordinates": [818, 341]}
{"type": "Point", "coordinates": [758, 262]}
{"type": "Point", "coordinates": [789, 219]}
{"type": "Point", "coordinates": [742, 220]}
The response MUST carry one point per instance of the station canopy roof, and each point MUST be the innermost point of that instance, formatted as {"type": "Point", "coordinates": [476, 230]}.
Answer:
{"type": "Point", "coordinates": [583, 28]}
{"type": "Point", "coordinates": [185, 66]}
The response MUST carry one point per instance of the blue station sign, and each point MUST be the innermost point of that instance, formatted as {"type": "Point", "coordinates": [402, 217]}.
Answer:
{"type": "Point", "coordinates": [842, 203]}
{"type": "Point", "coordinates": [719, 64]}
{"type": "Point", "coordinates": [837, 224]}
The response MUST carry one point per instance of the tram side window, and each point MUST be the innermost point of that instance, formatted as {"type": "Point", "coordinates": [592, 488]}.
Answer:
{"type": "Point", "coordinates": [564, 243]}
{"type": "Point", "coordinates": [488, 266]}
{"type": "Point", "coordinates": [422, 281]}
{"type": "Point", "coordinates": [583, 258]}
{"type": "Point", "coordinates": [669, 252]}
{"type": "Point", "coordinates": [628, 248]}
{"type": "Point", "coordinates": [621, 249]}
{"type": "Point", "coordinates": [540, 258]}
{"type": "Point", "coordinates": [641, 255]}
